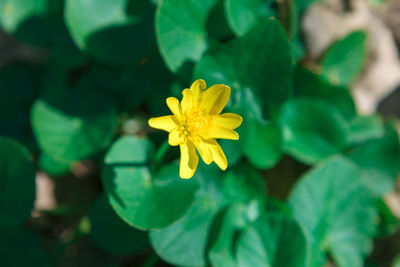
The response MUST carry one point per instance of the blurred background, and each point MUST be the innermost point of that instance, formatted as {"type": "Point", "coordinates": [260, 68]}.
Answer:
{"type": "Point", "coordinates": [75, 75]}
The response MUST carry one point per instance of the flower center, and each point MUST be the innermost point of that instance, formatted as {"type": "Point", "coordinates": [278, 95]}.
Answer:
{"type": "Point", "coordinates": [195, 122]}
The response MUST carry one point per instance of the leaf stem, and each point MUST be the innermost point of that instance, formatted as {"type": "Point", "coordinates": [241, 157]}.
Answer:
{"type": "Point", "coordinates": [159, 156]}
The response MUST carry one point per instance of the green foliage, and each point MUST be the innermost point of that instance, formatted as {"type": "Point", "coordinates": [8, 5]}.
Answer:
{"type": "Point", "coordinates": [341, 65]}
{"type": "Point", "coordinates": [28, 20]}
{"type": "Point", "coordinates": [75, 126]}
{"type": "Point", "coordinates": [328, 202]}
{"type": "Point", "coordinates": [15, 12]}
{"type": "Point", "coordinates": [309, 84]}
{"type": "Point", "coordinates": [14, 102]}
{"type": "Point", "coordinates": [242, 193]}
{"type": "Point", "coordinates": [382, 154]}
{"type": "Point", "coordinates": [17, 240]}
{"type": "Point", "coordinates": [243, 15]}
{"type": "Point", "coordinates": [109, 30]}
{"type": "Point", "coordinates": [256, 246]}
{"type": "Point", "coordinates": [233, 63]}
{"type": "Point", "coordinates": [112, 234]}
{"type": "Point", "coordinates": [74, 108]}
{"type": "Point", "coordinates": [182, 38]}
{"type": "Point", "coordinates": [313, 129]}
{"type": "Point", "coordinates": [143, 199]}
{"type": "Point", "coordinates": [16, 168]}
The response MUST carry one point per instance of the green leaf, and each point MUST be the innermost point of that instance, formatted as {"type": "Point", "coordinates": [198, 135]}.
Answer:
{"type": "Point", "coordinates": [15, 12]}
{"type": "Point", "coordinates": [232, 150]}
{"type": "Point", "coordinates": [53, 167]}
{"type": "Point", "coordinates": [388, 222]}
{"type": "Point", "coordinates": [274, 239]}
{"type": "Point", "coordinates": [258, 60]}
{"type": "Point", "coordinates": [345, 59]}
{"type": "Point", "coordinates": [26, 19]}
{"type": "Point", "coordinates": [259, 140]}
{"type": "Point", "coordinates": [128, 85]}
{"type": "Point", "coordinates": [64, 52]}
{"type": "Point", "coordinates": [329, 202]}
{"type": "Point", "coordinates": [378, 182]}
{"type": "Point", "coordinates": [116, 32]}
{"type": "Point", "coordinates": [14, 241]}
{"type": "Point", "coordinates": [243, 15]}
{"type": "Point", "coordinates": [15, 96]}
{"type": "Point", "coordinates": [264, 145]}
{"type": "Point", "coordinates": [217, 27]}
{"type": "Point", "coordinates": [364, 128]}
{"type": "Point", "coordinates": [312, 129]}
{"type": "Point", "coordinates": [396, 262]}
{"type": "Point", "coordinates": [221, 249]}
{"type": "Point", "coordinates": [112, 234]}
{"type": "Point", "coordinates": [185, 242]}
{"type": "Point", "coordinates": [72, 124]}
{"type": "Point", "coordinates": [141, 199]}
{"type": "Point", "coordinates": [243, 184]}
{"type": "Point", "coordinates": [161, 83]}
{"type": "Point", "coordinates": [18, 190]}
{"type": "Point", "coordinates": [181, 30]}
{"type": "Point", "coordinates": [382, 154]}
{"type": "Point", "coordinates": [309, 84]}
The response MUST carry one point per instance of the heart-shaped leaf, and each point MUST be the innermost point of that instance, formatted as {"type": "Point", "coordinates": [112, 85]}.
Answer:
{"type": "Point", "coordinates": [140, 198]}
{"type": "Point", "coordinates": [329, 202]}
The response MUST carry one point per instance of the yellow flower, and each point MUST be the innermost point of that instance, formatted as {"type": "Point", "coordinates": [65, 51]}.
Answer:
{"type": "Point", "coordinates": [196, 123]}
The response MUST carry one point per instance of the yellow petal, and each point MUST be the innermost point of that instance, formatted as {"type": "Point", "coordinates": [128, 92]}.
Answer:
{"type": "Point", "coordinates": [219, 132]}
{"type": "Point", "coordinates": [197, 88]}
{"type": "Point", "coordinates": [174, 106]}
{"type": "Point", "coordinates": [218, 155]}
{"type": "Point", "coordinates": [227, 120]}
{"type": "Point", "coordinates": [166, 123]}
{"type": "Point", "coordinates": [176, 138]}
{"type": "Point", "coordinates": [189, 160]}
{"type": "Point", "coordinates": [204, 151]}
{"type": "Point", "coordinates": [187, 100]}
{"type": "Point", "coordinates": [214, 99]}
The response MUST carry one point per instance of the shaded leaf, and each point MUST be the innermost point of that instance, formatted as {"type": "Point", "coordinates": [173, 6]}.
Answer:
{"type": "Point", "coordinates": [17, 240]}
{"type": "Point", "coordinates": [17, 176]}
{"type": "Point", "coordinates": [141, 199]}
{"type": "Point", "coordinates": [112, 234]}
{"type": "Point", "coordinates": [116, 32]}
{"type": "Point", "coordinates": [73, 124]}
